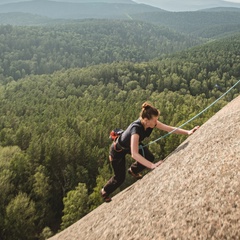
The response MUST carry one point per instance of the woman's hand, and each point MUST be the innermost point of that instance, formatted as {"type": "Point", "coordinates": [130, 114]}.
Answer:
{"type": "Point", "coordinates": [190, 132]}
{"type": "Point", "coordinates": [155, 165]}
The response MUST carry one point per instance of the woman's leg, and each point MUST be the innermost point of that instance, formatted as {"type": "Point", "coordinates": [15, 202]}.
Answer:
{"type": "Point", "coordinates": [118, 163]}
{"type": "Point", "coordinates": [119, 168]}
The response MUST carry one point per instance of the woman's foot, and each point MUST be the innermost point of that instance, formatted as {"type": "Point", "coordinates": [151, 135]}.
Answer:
{"type": "Point", "coordinates": [104, 195]}
{"type": "Point", "coordinates": [135, 175]}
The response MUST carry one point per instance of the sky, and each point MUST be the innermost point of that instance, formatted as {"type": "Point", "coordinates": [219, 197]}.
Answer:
{"type": "Point", "coordinates": [188, 5]}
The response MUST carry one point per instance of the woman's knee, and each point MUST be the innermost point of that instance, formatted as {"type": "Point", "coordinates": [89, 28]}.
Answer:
{"type": "Point", "coordinates": [119, 179]}
{"type": "Point", "coordinates": [149, 156]}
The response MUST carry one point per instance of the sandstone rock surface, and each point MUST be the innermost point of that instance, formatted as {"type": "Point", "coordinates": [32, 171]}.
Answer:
{"type": "Point", "coordinates": [194, 194]}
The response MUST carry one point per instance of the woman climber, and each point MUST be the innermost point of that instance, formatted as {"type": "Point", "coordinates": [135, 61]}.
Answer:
{"type": "Point", "coordinates": [129, 142]}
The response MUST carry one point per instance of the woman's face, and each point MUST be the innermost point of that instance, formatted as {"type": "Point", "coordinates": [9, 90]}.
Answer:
{"type": "Point", "coordinates": [152, 122]}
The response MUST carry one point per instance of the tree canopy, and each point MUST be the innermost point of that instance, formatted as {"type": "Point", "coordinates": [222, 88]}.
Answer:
{"type": "Point", "coordinates": [54, 126]}
{"type": "Point", "coordinates": [43, 50]}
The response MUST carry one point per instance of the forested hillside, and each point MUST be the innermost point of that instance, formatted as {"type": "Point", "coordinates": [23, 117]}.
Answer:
{"type": "Point", "coordinates": [205, 24]}
{"type": "Point", "coordinates": [39, 50]}
{"type": "Point", "coordinates": [79, 10]}
{"type": "Point", "coordinates": [208, 23]}
{"type": "Point", "coordinates": [54, 127]}
{"type": "Point", "coordinates": [24, 19]}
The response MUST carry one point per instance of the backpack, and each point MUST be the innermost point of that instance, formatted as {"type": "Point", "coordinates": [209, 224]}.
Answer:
{"type": "Point", "coordinates": [114, 134]}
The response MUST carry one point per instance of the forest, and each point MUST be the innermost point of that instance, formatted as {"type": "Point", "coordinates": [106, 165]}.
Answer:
{"type": "Point", "coordinates": [64, 88]}
{"type": "Point", "coordinates": [42, 50]}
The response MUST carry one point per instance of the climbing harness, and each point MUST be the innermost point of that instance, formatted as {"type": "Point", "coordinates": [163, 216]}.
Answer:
{"type": "Point", "coordinates": [204, 110]}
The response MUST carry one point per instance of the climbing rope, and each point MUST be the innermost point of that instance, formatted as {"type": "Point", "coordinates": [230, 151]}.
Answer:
{"type": "Point", "coordinates": [204, 110]}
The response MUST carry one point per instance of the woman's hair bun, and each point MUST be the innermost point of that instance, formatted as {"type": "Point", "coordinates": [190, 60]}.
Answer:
{"type": "Point", "coordinates": [146, 105]}
{"type": "Point", "coordinates": [148, 111]}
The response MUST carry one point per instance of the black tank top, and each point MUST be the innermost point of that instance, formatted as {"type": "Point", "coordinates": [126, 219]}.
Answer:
{"type": "Point", "coordinates": [135, 127]}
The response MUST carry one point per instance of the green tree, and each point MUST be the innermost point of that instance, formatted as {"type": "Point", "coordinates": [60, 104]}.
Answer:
{"type": "Point", "coordinates": [75, 205]}
{"type": "Point", "coordinates": [46, 233]}
{"type": "Point", "coordinates": [23, 137]}
{"type": "Point", "coordinates": [6, 177]}
{"type": "Point", "coordinates": [41, 192]}
{"type": "Point", "coordinates": [20, 218]}
{"type": "Point", "coordinates": [104, 174]}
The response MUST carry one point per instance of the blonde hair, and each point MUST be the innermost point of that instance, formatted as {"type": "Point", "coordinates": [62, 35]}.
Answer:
{"type": "Point", "coordinates": [148, 111]}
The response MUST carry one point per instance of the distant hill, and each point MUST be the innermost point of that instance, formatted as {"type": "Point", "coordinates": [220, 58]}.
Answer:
{"type": "Point", "coordinates": [24, 19]}
{"type": "Point", "coordinates": [221, 9]}
{"type": "Point", "coordinates": [206, 24]}
{"type": "Point", "coordinates": [171, 5]}
{"type": "Point", "coordinates": [189, 5]}
{"type": "Point", "coordinates": [70, 10]}
{"type": "Point", "coordinates": [71, 1]}
{"type": "Point", "coordinates": [95, 1]}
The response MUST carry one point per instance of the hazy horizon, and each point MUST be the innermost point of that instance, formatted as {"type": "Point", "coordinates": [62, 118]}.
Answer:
{"type": "Point", "coordinates": [169, 5]}
{"type": "Point", "coordinates": [189, 5]}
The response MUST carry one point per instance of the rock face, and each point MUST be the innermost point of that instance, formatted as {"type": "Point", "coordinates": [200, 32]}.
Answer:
{"type": "Point", "coordinates": [194, 194]}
